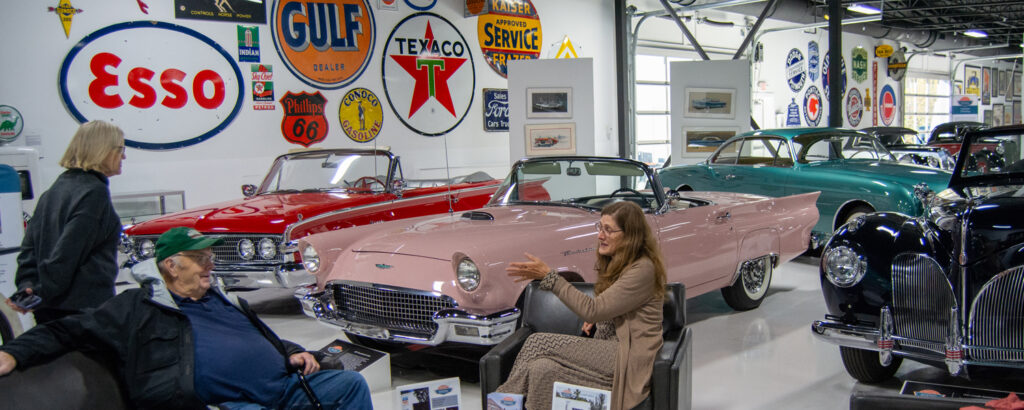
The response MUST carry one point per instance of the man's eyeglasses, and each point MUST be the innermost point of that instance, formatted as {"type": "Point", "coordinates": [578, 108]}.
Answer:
{"type": "Point", "coordinates": [201, 259]}
{"type": "Point", "coordinates": [604, 229]}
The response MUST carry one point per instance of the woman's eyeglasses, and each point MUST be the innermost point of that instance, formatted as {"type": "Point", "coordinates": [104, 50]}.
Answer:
{"type": "Point", "coordinates": [604, 229]}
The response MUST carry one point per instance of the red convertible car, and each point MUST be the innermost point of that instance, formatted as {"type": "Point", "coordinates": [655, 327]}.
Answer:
{"type": "Point", "coordinates": [441, 279]}
{"type": "Point", "coordinates": [326, 189]}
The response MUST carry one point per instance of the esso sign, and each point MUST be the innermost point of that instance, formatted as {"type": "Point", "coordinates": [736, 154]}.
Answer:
{"type": "Point", "coordinates": [166, 85]}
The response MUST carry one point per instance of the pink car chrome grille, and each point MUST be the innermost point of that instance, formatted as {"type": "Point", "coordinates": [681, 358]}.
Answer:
{"type": "Point", "coordinates": [400, 310]}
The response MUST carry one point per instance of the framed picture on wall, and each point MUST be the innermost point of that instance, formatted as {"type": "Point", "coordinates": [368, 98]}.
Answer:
{"type": "Point", "coordinates": [997, 115]}
{"type": "Point", "coordinates": [1016, 86]}
{"type": "Point", "coordinates": [986, 117]}
{"type": "Point", "coordinates": [1016, 112]}
{"type": "Point", "coordinates": [1004, 82]}
{"type": "Point", "coordinates": [972, 79]}
{"type": "Point", "coordinates": [958, 87]}
{"type": "Point", "coordinates": [710, 103]}
{"type": "Point", "coordinates": [986, 85]}
{"type": "Point", "coordinates": [997, 86]}
{"type": "Point", "coordinates": [549, 102]}
{"type": "Point", "coordinates": [550, 139]}
{"type": "Point", "coordinates": [700, 141]}
{"type": "Point", "coordinates": [1008, 114]}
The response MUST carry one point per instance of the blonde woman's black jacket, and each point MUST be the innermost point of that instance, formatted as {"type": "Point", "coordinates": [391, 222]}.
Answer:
{"type": "Point", "coordinates": [144, 335]}
{"type": "Point", "coordinates": [69, 253]}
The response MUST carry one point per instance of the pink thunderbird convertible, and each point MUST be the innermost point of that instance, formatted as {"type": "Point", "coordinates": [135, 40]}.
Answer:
{"type": "Point", "coordinates": [438, 279]}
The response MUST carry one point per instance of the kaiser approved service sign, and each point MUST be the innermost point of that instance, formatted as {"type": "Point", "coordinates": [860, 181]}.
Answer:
{"type": "Point", "coordinates": [510, 31]}
{"type": "Point", "coordinates": [169, 85]}
{"type": "Point", "coordinates": [428, 74]}
{"type": "Point", "coordinates": [327, 43]}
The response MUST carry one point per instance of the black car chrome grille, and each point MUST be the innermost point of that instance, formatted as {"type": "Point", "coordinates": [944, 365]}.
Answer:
{"type": "Point", "coordinates": [921, 298]}
{"type": "Point", "coordinates": [997, 319]}
{"type": "Point", "coordinates": [400, 310]}
{"type": "Point", "coordinates": [227, 253]}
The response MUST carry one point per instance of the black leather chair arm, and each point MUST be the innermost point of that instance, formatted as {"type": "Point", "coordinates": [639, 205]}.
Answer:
{"type": "Point", "coordinates": [496, 365]}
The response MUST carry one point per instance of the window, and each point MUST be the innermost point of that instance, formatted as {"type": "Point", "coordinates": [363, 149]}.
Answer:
{"type": "Point", "coordinates": [653, 132]}
{"type": "Point", "coordinates": [926, 102]}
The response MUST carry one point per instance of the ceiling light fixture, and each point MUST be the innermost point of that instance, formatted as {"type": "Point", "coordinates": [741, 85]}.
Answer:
{"type": "Point", "coordinates": [976, 33]}
{"type": "Point", "coordinates": [863, 9]}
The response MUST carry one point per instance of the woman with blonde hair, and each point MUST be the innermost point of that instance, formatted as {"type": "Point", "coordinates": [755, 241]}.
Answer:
{"type": "Point", "coordinates": [627, 311]}
{"type": "Point", "coordinates": [69, 253]}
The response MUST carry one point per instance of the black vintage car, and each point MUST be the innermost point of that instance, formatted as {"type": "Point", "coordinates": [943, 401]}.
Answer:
{"type": "Point", "coordinates": [945, 288]}
{"type": "Point", "coordinates": [900, 142]}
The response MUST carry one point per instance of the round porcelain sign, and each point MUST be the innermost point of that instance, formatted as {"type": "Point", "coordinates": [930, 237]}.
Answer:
{"type": "Point", "coordinates": [166, 85]}
{"type": "Point", "coordinates": [428, 73]}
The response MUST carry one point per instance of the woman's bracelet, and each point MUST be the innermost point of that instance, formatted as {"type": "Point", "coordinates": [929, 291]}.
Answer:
{"type": "Point", "coordinates": [548, 282]}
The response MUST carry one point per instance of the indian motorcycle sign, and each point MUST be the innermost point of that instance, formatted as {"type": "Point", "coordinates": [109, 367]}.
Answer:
{"type": "Point", "coordinates": [428, 74]}
{"type": "Point", "coordinates": [170, 85]}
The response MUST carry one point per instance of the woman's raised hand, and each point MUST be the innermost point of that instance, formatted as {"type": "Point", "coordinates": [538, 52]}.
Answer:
{"type": "Point", "coordinates": [523, 271]}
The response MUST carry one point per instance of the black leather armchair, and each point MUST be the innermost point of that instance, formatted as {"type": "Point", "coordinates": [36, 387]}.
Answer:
{"type": "Point", "coordinates": [544, 312]}
{"type": "Point", "coordinates": [71, 381]}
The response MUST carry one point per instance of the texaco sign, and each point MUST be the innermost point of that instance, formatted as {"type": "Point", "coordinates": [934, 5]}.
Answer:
{"type": "Point", "coordinates": [428, 74]}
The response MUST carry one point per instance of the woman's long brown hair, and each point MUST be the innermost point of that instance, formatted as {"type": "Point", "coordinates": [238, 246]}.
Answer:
{"type": "Point", "coordinates": [637, 241]}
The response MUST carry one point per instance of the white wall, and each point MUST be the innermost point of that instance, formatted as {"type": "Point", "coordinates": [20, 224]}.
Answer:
{"type": "Point", "coordinates": [213, 170]}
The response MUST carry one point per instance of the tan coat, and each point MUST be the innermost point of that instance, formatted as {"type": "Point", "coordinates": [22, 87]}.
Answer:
{"type": "Point", "coordinates": [637, 314]}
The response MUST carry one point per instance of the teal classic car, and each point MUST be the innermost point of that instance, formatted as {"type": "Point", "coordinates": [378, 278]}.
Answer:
{"type": "Point", "coordinates": [854, 172]}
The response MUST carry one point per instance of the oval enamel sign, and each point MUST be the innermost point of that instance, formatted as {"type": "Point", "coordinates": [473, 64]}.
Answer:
{"type": "Point", "coordinates": [166, 85]}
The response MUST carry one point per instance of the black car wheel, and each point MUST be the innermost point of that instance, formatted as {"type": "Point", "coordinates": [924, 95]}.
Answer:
{"type": "Point", "coordinates": [751, 285]}
{"type": "Point", "coordinates": [854, 212]}
{"type": "Point", "coordinates": [864, 366]}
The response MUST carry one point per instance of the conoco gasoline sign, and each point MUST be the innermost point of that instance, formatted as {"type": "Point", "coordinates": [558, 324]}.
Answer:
{"type": "Point", "coordinates": [428, 74]}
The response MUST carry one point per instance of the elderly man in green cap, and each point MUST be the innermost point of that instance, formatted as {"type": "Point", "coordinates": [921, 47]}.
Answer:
{"type": "Point", "coordinates": [181, 343]}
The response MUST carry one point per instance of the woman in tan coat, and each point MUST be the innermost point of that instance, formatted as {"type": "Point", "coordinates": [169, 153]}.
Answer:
{"type": "Point", "coordinates": [627, 311]}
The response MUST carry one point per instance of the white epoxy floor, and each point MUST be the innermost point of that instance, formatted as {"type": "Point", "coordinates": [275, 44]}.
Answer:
{"type": "Point", "coordinates": [761, 359]}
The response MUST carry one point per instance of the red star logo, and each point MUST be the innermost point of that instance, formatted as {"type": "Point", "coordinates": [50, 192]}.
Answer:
{"type": "Point", "coordinates": [812, 106]}
{"type": "Point", "coordinates": [431, 73]}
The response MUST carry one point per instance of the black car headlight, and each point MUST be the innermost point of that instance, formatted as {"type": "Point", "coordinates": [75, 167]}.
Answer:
{"type": "Point", "coordinates": [468, 274]}
{"type": "Point", "coordinates": [844, 267]}
{"type": "Point", "coordinates": [310, 259]}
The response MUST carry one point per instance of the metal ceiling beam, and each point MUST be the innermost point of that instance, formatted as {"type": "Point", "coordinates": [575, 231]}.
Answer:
{"type": "Point", "coordinates": [930, 16]}
{"type": "Point", "coordinates": [727, 3]}
{"type": "Point", "coordinates": [686, 31]}
{"type": "Point", "coordinates": [929, 7]}
{"type": "Point", "coordinates": [753, 31]}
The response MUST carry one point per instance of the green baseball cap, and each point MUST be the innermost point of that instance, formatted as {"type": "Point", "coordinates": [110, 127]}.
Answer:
{"type": "Point", "coordinates": [182, 239]}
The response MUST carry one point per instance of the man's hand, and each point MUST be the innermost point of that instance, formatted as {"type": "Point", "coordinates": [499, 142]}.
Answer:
{"type": "Point", "coordinates": [303, 361]}
{"type": "Point", "coordinates": [7, 363]}
{"type": "Point", "coordinates": [587, 326]}
{"type": "Point", "coordinates": [16, 307]}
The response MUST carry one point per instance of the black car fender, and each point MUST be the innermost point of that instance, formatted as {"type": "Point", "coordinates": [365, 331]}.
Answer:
{"type": "Point", "coordinates": [877, 239]}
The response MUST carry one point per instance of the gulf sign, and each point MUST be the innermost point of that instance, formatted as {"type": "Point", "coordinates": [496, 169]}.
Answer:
{"type": "Point", "coordinates": [509, 31]}
{"type": "Point", "coordinates": [327, 43]}
{"type": "Point", "coordinates": [168, 86]}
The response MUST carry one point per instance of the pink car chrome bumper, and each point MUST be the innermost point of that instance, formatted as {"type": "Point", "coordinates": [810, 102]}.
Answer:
{"type": "Point", "coordinates": [402, 314]}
